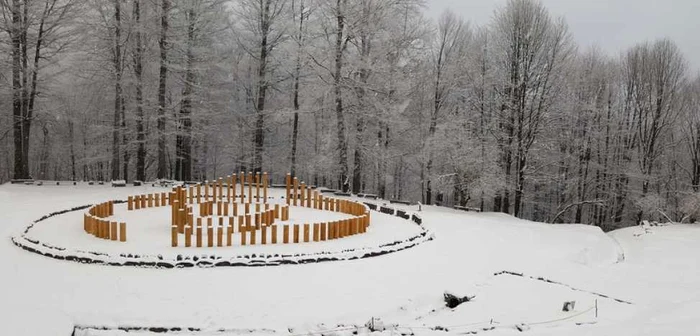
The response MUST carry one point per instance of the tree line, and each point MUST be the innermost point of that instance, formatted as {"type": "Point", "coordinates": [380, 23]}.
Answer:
{"type": "Point", "coordinates": [368, 96]}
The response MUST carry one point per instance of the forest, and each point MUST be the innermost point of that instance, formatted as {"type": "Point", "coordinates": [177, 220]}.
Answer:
{"type": "Point", "coordinates": [365, 96]}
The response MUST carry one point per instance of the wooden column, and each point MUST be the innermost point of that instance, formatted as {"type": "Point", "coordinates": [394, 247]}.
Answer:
{"type": "Point", "coordinates": [188, 236]}
{"type": "Point", "coordinates": [295, 191]}
{"type": "Point", "coordinates": [199, 232]}
{"type": "Point", "coordinates": [302, 194]}
{"type": "Point", "coordinates": [274, 234]}
{"type": "Point", "coordinates": [113, 231]}
{"type": "Point", "coordinates": [130, 203]}
{"type": "Point", "coordinates": [277, 211]}
{"type": "Point", "coordinates": [323, 231]}
{"type": "Point", "coordinates": [252, 236]}
{"type": "Point", "coordinates": [306, 233]}
{"type": "Point", "coordinates": [199, 193]}
{"type": "Point", "coordinates": [263, 235]}
{"type": "Point", "coordinates": [173, 234]}
{"type": "Point", "coordinates": [264, 182]}
{"type": "Point", "coordinates": [220, 236]}
{"type": "Point", "coordinates": [242, 178]}
{"type": "Point", "coordinates": [257, 186]}
{"type": "Point", "coordinates": [233, 188]}
{"type": "Point", "coordinates": [122, 232]}
{"type": "Point", "coordinates": [210, 236]}
{"type": "Point", "coordinates": [250, 187]}
{"type": "Point", "coordinates": [288, 195]}
{"type": "Point", "coordinates": [285, 234]}
{"type": "Point", "coordinates": [316, 232]}
{"type": "Point", "coordinates": [229, 231]}
{"type": "Point", "coordinates": [296, 233]}
{"type": "Point", "coordinates": [244, 233]}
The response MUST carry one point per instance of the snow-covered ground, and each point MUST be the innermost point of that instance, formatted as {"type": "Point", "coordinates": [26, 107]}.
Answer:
{"type": "Point", "coordinates": [639, 281]}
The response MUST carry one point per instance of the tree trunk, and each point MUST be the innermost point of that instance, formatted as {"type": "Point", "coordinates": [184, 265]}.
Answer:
{"type": "Point", "coordinates": [259, 141]}
{"type": "Point", "coordinates": [117, 91]}
{"type": "Point", "coordinates": [138, 73]}
{"type": "Point", "coordinates": [162, 171]}
{"type": "Point", "coordinates": [297, 74]}
{"type": "Point", "coordinates": [340, 118]}
{"type": "Point", "coordinates": [183, 164]}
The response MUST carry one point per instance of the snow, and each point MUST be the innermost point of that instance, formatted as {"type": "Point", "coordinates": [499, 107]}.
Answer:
{"type": "Point", "coordinates": [653, 268]}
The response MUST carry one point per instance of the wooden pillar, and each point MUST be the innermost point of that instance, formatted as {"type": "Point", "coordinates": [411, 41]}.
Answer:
{"type": "Point", "coordinates": [250, 187]}
{"type": "Point", "coordinates": [137, 202]}
{"type": "Point", "coordinates": [220, 236]}
{"type": "Point", "coordinates": [113, 231]}
{"type": "Point", "coordinates": [173, 234]}
{"type": "Point", "coordinates": [244, 233]}
{"type": "Point", "coordinates": [302, 194]}
{"type": "Point", "coordinates": [277, 211]}
{"type": "Point", "coordinates": [264, 182]}
{"type": "Point", "coordinates": [206, 190]}
{"type": "Point", "coordinates": [247, 208]}
{"type": "Point", "coordinates": [235, 208]}
{"type": "Point", "coordinates": [257, 207]}
{"type": "Point", "coordinates": [242, 178]}
{"type": "Point", "coordinates": [323, 231]}
{"type": "Point", "coordinates": [274, 234]}
{"type": "Point", "coordinates": [247, 220]}
{"type": "Point", "coordinates": [130, 203]}
{"type": "Point", "coordinates": [316, 232]}
{"type": "Point", "coordinates": [285, 234]}
{"type": "Point", "coordinates": [288, 194]}
{"type": "Point", "coordinates": [252, 236]}
{"type": "Point", "coordinates": [221, 187]}
{"type": "Point", "coordinates": [233, 188]}
{"type": "Point", "coordinates": [210, 236]}
{"type": "Point", "coordinates": [199, 232]}
{"type": "Point", "coordinates": [257, 220]}
{"type": "Point", "coordinates": [225, 207]}
{"type": "Point", "coordinates": [295, 191]}
{"type": "Point", "coordinates": [257, 186]}
{"type": "Point", "coordinates": [296, 233]}
{"type": "Point", "coordinates": [309, 196]}
{"type": "Point", "coordinates": [157, 200]}
{"type": "Point", "coordinates": [122, 232]}
{"type": "Point", "coordinates": [306, 233]}
{"type": "Point", "coordinates": [199, 193]}
{"type": "Point", "coordinates": [263, 235]}
{"type": "Point", "coordinates": [188, 236]}
{"type": "Point", "coordinates": [229, 231]}
{"type": "Point", "coordinates": [218, 208]}
{"type": "Point", "coordinates": [240, 223]}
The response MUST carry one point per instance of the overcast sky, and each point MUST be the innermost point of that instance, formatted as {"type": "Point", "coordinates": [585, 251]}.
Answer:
{"type": "Point", "coordinates": [613, 25]}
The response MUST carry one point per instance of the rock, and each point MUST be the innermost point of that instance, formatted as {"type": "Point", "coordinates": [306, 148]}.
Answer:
{"type": "Point", "coordinates": [452, 301]}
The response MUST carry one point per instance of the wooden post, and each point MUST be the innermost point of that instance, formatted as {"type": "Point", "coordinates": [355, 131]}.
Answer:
{"type": "Point", "coordinates": [206, 190]}
{"type": "Point", "coordinates": [323, 231]}
{"type": "Point", "coordinates": [250, 188]}
{"type": "Point", "coordinates": [277, 211]}
{"type": "Point", "coordinates": [264, 181]}
{"type": "Point", "coordinates": [240, 223]}
{"type": "Point", "coordinates": [228, 189]}
{"type": "Point", "coordinates": [210, 236]}
{"type": "Point", "coordinates": [263, 235]}
{"type": "Point", "coordinates": [257, 186]}
{"type": "Point", "coordinates": [302, 194]}
{"type": "Point", "coordinates": [242, 177]}
{"type": "Point", "coordinates": [296, 233]}
{"type": "Point", "coordinates": [225, 206]}
{"type": "Point", "coordinates": [235, 208]}
{"type": "Point", "coordinates": [257, 207]}
{"type": "Point", "coordinates": [221, 187]}
{"type": "Point", "coordinates": [257, 220]}
{"type": "Point", "coordinates": [309, 196]}
{"type": "Point", "coordinates": [143, 201]}
{"type": "Point", "coordinates": [157, 200]}
{"type": "Point", "coordinates": [130, 203]}
{"type": "Point", "coordinates": [285, 234]}
{"type": "Point", "coordinates": [233, 188]}
{"type": "Point", "coordinates": [247, 220]}
{"type": "Point", "coordinates": [113, 231]}
{"type": "Point", "coordinates": [229, 232]}
{"type": "Point", "coordinates": [122, 232]}
{"type": "Point", "coordinates": [295, 191]}
{"type": "Point", "coordinates": [316, 232]}
{"type": "Point", "coordinates": [173, 234]}
{"type": "Point", "coordinates": [252, 236]}
{"type": "Point", "coordinates": [137, 202]}
{"type": "Point", "coordinates": [188, 236]}
{"type": "Point", "coordinates": [220, 236]}
{"type": "Point", "coordinates": [199, 232]}
{"type": "Point", "coordinates": [288, 196]}
{"type": "Point", "coordinates": [199, 193]}
{"type": "Point", "coordinates": [218, 208]}
{"type": "Point", "coordinates": [243, 234]}
{"type": "Point", "coordinates": [247, 208]}
{"type": "Point", "coordinates": [306, 233]}
{"type": "Point", "coordinates": [274, 234]}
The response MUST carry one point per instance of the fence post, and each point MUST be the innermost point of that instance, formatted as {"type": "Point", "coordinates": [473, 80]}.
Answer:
{"type": "Point", "coordinates": [316, 233]}
{"type": "Point", "coordinates": [113, 231]}
{"type": "Point", "coordinates": [173, 233]}
{"type": "Point", "coordinates": [274, 234]}
{"type": "Point", "coordinates": [323, 231]}
{"type": "Point", "coordinates": [263, 235]}
{"type": "Point", "coordinates": [285, 234]}
{"type": "Point", "coordinates": [122, 232]}
{"type": "Point", "coordinates": [296, 233]}
{"type": "Point", "coordinates": [199, 232]}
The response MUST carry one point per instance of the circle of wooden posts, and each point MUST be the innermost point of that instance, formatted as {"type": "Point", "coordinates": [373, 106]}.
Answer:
{"type": "Point", "coordinates": [244, 211]}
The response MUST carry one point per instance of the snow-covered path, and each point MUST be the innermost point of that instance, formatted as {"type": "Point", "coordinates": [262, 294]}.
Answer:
{"type": "Point", "coordinates": [659, 276]}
